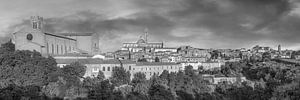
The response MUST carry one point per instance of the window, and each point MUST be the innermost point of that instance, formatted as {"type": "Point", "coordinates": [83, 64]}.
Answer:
{"type": "Point", "coordinates": [65, 49]}
{"type": "Point", "coordinates": [108, 68]}
{"type": "Point", "coordinates": [48, 48]}
{"type": "Point", "coordinates": [57, 49]}
{"type": "Point", "coordinates": [34, 25]}
{"type": "Point", "coordinates": [95, 70]}
{"type": "Point", "coordinates": [103, 69]}
{"type": "Point", "coordinates": [129, 67]}
{"type": "Point", "coordinates": [52, 47]}
{"type": "Point", "coordinates": [62, 49]}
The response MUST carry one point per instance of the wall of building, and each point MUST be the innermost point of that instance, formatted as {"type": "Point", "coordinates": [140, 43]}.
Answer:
{"type": "Point", "coordinates": [150, 70]}
{"type": "Point", "coordinates": [37, 43]}
{"type": "Point", "coordinates": [59, 46]}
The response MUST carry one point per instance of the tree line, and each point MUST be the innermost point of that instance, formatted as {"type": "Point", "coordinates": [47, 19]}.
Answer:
{"type": "Point", "coordinates": [26, 75]}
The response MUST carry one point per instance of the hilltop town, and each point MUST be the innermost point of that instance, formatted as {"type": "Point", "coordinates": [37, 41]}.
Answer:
{"type": "Point", "coordinates": [74, 61]}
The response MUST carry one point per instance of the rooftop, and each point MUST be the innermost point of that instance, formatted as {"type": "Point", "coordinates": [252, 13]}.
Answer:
{"type": "Point", "coordinates": [155, 63]}
{"type": "Point", "coordinates": [94, 61]}
{"type": "Point", "coordinates": [76, 34]}
{"type": "Point", "coordinates": [59, 36]}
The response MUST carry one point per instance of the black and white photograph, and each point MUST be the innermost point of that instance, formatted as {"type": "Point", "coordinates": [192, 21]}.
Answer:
{"type": "Point", "coordinates": [149, 49]}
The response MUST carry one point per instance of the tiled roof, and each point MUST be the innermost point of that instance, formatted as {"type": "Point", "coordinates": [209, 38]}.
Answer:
{"type": "Point", "coordinates": [76, 34]}
{"type": "Point", "coordinates": [59, 36]}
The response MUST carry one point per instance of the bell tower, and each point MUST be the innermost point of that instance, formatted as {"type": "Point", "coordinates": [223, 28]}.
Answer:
{"type": "Point", "coordinates": [146, 35]}
{"type": "Point", "coordinates": [36, 22]}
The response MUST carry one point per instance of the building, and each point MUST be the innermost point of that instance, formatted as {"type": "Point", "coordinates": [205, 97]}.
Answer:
{"type": "Point", "coordinates": [188, 51]}
{"type": "Point", "coordinates": [155, 68]}
{"type": "Point", "coordinates": [211, 65]}
{"type": "Point", "coordinates": [260, 49]}
{"type": "Point", "coordinates": [194, 59]}
{"type": "Point", "coordinates": [165, 50]}
{"type": "Point", "coordinates": [142, 45]}
{"type": "Point", "coordinates": [203, 65]}
{"type": "Point", "coordinates": [87, 42]}
{"type": "Point", "coordinates": [216, 79]}
{"type": "Point", "coordinates": [106, 66]}
{"type": "Point", "coordinates": [34, 37]}
{"type": "Point", "coordinates": [96, 65]}
{"type": "Point", "coordinates": [231, 80]}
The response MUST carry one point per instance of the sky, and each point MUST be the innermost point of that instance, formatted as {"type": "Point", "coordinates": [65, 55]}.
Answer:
{"type": "Point", "coordinates": [198, 23]}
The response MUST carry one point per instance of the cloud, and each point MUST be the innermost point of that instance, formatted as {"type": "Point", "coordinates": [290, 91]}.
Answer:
{"type": "Point", "coordinates": [200, 23]}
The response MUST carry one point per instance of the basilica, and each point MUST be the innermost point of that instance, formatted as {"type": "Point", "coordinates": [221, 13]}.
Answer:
{"type": "Point", "coordinates": [34, 38]}
{"type": "Point", "coordinates": [142, 45]}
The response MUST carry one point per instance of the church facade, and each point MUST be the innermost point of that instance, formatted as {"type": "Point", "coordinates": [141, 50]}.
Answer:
{"type": "Point", "coordinates": [50, 44]}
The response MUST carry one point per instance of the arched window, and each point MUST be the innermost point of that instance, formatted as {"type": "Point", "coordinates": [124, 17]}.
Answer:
{"type": "Point", "coordinates": [57, 49]}
{"type": "Point", "coordinates": [103, 69]}
{"type": "Point", "coordinates": [34, 25]}
{"type": "Point", "coordinates": [108, 68]}
{"type": "Point", "coordinates": [62, 49]}
{"type": "Point", "coordinates": [65, 49]}
{"type": "Point", "coordinates": [48, 48]}
{"type": "Point", "coordinates": [52, 47]}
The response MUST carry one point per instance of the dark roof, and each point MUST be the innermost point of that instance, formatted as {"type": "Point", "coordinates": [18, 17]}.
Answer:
{"type": "Point", "coordinates": [76, 34]}
{"type": "Point", "coordinates": [59, 36]}
{"type": "Point", "coordinates": [73, 55]}
{"type": "Point", "coordinates": [147, 43]}
{"type": "Point", "coordinates": [141, 41]}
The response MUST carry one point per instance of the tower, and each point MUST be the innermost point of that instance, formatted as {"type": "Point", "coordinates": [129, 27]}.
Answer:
{"type": "Point", "coordinates": [279, 48]}
{"type": "Point", "coordinates": [146, 35]}
{"type": "Point", "coordinates": [95, 43]}
{"type": "Point", "coordinates": [37, 22]}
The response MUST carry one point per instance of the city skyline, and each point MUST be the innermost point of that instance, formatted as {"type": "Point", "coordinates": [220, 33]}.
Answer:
{"type": "Point", "coordinates": [199, 23]}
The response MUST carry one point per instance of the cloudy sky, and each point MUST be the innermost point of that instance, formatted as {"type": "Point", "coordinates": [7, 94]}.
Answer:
{"type": "Point", "coordinates": [199, 23]}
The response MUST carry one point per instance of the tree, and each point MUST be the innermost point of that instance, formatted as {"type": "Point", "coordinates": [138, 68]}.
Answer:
{"type": "Point", "coordinates": [136, 96]}
{"type": "Point", "coordinates": [7, 47]}
{"type": "Point", "coordinates": [138, 78]}
{"type": "Point", "coordinates": [120, 76]}
{"type": "Point", "coordinates": [164, 75]}
{"type": "Point", "coordinates": [142, 60]}
{"type": "Point", "coordinates": [266, 56]}
{"type": "Point", "coordinates": [157, 59]}
{"type": "Point", "coordinates": [159, 92]}
{"type": "Point", "coordinates": [101, 91]}
{"type": "Point", "coordinates": [100, 77]}
{"type": "Point", "coordinates": [188, 70]}
{"type": "Point", "coordinates": [74, 69]}
{"type": "Point", "coordinates": [182, 95]}
{"type": "Point", "coordinates": [25, 68]}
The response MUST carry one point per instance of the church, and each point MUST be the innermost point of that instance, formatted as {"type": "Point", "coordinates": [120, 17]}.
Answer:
{"type": "Point", "coordinates": [50, 44]}
{"type": "Point", "coordinates": [142, 45]}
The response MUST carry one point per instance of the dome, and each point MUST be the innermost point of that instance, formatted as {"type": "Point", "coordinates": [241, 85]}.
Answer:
{"type": "Point", "coordinates": [141, 41]}
{"type": "Point", "coordinates": [99, 56]}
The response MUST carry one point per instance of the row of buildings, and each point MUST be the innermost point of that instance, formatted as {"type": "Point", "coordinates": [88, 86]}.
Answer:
{"type": "Point", "coordinates": [148, 68]}
{"type": "Point", "coordinates": [150, 58]}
